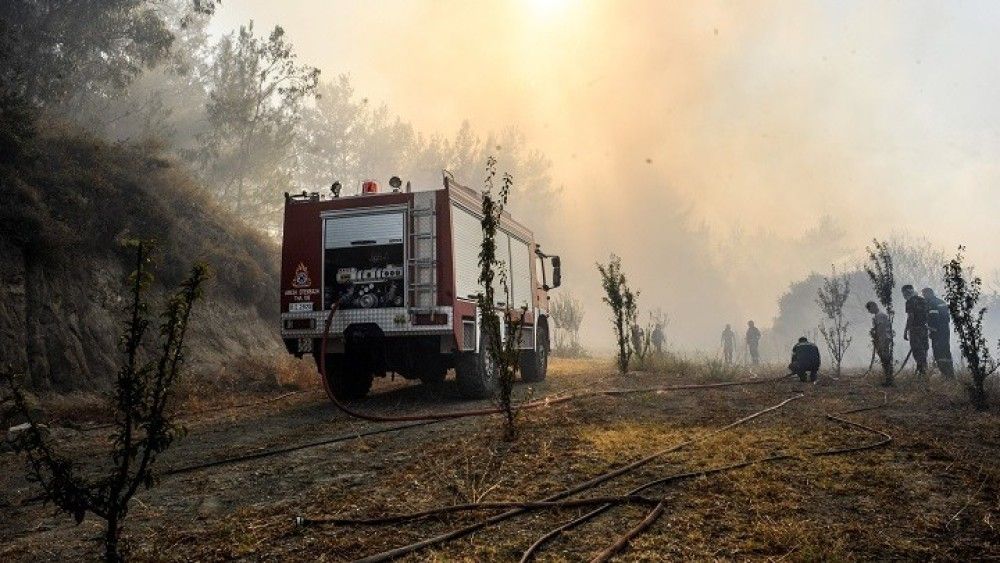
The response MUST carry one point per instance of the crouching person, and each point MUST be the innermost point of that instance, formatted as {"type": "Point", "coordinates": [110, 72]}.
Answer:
{"type": "Point", "coordinates": [805, 360]}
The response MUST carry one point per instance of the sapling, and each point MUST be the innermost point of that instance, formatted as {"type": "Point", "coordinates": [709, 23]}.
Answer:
{"type": "Point", "coordinates": [832, 297]}
{"type": "Point", "coordinates": [963, 298]}
{"type": "Point", "coordinates": [503, 334]}
{"type": "Point", "coordinates": [622, 301]}
{"type": "Point", "coordinates": [143, 427]}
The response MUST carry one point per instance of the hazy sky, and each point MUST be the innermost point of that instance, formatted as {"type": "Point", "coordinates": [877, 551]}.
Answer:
{"type": "Point", "coordinates": [759, 115]}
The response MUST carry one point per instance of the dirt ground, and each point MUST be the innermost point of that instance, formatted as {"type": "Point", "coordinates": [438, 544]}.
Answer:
{"type": "Point", "coordinates": [932, 493]}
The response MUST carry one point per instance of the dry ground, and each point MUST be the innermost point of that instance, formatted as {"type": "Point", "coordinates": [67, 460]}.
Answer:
{"type": "Point", "coordinates": [933, 493]}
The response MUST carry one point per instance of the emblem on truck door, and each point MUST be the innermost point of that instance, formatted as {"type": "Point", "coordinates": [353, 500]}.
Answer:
{"type": "Point", "coordinates": [301, 278]}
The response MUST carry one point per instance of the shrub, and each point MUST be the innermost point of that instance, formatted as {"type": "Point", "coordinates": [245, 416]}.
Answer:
{"type": "Point", "coordinates": [143, 427]}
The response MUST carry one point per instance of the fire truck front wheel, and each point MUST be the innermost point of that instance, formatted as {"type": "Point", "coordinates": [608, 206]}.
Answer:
{"type": "Point", "coordinates": [475, 372]}
{"type": "Point", "coordinates": [347, 377]}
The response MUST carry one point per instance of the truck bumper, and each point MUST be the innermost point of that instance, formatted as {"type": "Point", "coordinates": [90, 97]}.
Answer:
{"type": "Point", "coordinates": [398, 321]}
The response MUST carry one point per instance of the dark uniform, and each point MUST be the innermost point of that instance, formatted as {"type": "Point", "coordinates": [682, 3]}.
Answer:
{"type": "Point", "coordinates": [728, 343]}
{"type": "Point", "coordinates": [939, 325]}
{"type": "Point", "coordinates": [916, 329]}
{"type": "Point", "coordinates": [753, 344]}
{"type": "Point", "coordinates": [882, 339]}
{"type": "Point", "coordinates": [658, 339]}
{"type": "Point", "coordinates": [805, 359]}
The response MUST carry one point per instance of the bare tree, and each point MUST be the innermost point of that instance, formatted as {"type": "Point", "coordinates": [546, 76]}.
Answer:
{"type": "Point", "coordinates": [622, 301]}
{"type": "Point", "coordinates": [503, 333]}
{"type": "Point", "coordinates": [143, 429]}
{"type": "Point", "coordinates": [832, 297]}
{"type": "Point", "coordinates": [567, 314]}
{"type": "Point", "coordinates": [916, 260]}
{"type": "Point", "coordinates": [963, 298]}
{"type": "Point", "coordinates": [880, 270]}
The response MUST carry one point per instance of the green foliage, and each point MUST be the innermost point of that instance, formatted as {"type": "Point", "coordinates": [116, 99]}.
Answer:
{"type": "Point", "coordinates": [622, 301]}
{"type": "Point", "coordinates": [832, 297]}
{"type": "Point", "coordinates": [60, 54]}
{"type": "Point", "coordinates": [143, 428]}
{"type": "Point", "coordinates": [503, 333]}
{"type": "Point", "coordinates": [881, 272]}
{"type": "Point", "coordinates": [257, 92]}
{"type": "Point", "coordinates": [963, 297]}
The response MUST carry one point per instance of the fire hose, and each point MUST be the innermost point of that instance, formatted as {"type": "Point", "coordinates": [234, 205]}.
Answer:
{"type": "Point", "coordinates": [871, 364]}
{"type": "Point", "coordinates": [903, 365]}
{"type": "Point", "coordinates": [413, 420]}
{"type": "Point", "coordinates": [586, 485]}
{"type": "Point", "coordinates": [631, 497]}
{"type": "Point", "coordinates": [898, 371]}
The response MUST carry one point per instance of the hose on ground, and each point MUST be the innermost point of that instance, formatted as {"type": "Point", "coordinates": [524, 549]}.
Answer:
{"type": "Point", "coordinates": [211, 409]}
{"type": "Point", "coordinates": [622, 541]}
{"type": "Point", "coordinates": [632, 497]}
{"type": "Point", "coordinates": [589, 484]}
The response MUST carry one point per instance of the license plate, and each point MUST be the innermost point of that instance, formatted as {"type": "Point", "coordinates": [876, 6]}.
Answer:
{"type": "Point", "coordinates": [300, 307]}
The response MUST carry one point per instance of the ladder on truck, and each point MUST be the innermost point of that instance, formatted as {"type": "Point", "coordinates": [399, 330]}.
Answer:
{"type": "Point", "coordinates": [423, 255]}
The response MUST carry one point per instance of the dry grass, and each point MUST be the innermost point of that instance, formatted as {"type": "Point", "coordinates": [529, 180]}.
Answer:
{"type": "Point", "coordinates": [247, 381]}
{"type": "Point", "coordinates": [932, 494]}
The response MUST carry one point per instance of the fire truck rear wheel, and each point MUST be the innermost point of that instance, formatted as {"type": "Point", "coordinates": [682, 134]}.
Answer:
{"type": "Point", "coordinates": [434, 371]}
{"type": "Point", "coordinates": [476, 373]}
{"type": "Point", "coordinates": [347, 379]}
{"type": "Point", "coordinates": [535, 364]}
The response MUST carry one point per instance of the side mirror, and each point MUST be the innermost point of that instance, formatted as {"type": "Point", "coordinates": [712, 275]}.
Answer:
{"type": "Point", "coordinates": [556, 272]}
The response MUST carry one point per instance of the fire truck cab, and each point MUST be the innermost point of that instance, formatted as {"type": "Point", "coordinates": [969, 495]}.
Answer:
{"type": "Point", "coordinates": [403, 267]}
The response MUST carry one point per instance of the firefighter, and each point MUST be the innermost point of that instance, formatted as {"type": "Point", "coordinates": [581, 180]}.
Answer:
{"type": "Point", "coordinates": [728, 343]}
{"type": "Point", "coordinates": [637, 334]}
{"type": "Point", "coordinates": [881, 334]}
{"type": "Point", "coordinates": [753, 343]}
{"type": "Point", "coordinates": [805, 360]}
{"type": "Point", "coordinates": [939, 325]}
{"type": "Point", "coordinates": [657, 338]}
{"type": "Point", "coordinates": [916, 327]}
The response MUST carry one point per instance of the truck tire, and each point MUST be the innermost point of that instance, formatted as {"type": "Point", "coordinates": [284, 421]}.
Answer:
{"type": "Point", "coordinates": [434, 371]}
{"type": "Point", "coordinates": [348, 377]}
{"type": "Point", "coordinates": [476, 373]}
{"type": "Point", "coordinates": [535, 363]}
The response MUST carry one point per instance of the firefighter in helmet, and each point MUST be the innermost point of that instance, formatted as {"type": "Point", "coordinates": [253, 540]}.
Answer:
{"type": "Point", "coordinates": [916, 327]}
{"type": "Point", "coordinates": [753, 343]}
{"type": "Point", "coordinates": [728, 344]}
{"type": "Point", "coordinates": [658, 339]}
{"type": "Point", "coordinates": [939, 326]}
{"type": "Point", "coordinates": [805, 360]}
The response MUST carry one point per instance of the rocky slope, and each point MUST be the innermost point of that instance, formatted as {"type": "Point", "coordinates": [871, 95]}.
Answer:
{"type": "Point", "coordinates": [68, 202]}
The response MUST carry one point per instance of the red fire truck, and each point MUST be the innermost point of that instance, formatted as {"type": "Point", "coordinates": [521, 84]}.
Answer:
{"type": "Point", "coordinates": [403, 268]}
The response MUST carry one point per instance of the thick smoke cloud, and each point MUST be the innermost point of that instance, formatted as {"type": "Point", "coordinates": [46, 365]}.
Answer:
{"type": "Point", "coordinates": [724, 150]}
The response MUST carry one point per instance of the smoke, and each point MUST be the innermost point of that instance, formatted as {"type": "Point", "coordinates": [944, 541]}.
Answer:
{"type": "Point", "coordinates": [724, 150]}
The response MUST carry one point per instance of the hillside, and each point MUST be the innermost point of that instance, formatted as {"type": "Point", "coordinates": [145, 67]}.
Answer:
{"type": "Point", "coordinates": [68, 202]}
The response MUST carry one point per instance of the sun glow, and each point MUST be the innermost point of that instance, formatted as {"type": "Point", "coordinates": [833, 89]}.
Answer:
{"type": "Point", "coordinates": [547, 8]}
